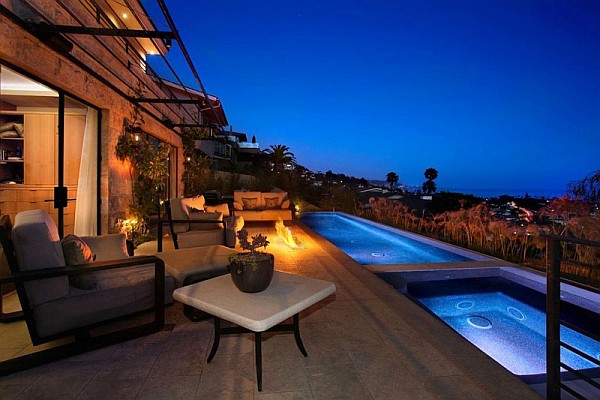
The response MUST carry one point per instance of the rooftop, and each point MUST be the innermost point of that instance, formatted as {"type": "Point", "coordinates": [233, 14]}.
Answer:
{"type": "Point", "coordinates": [365, 342]}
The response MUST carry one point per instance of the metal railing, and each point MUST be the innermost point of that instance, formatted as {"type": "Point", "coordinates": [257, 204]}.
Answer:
{"type": "Point", "coordinates": [554, 385]}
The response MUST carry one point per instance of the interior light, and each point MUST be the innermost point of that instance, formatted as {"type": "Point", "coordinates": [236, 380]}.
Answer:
{"type": "Point", "coordinates": [137, 137]}
{"type": "Point", "coordinates": [124, 15]}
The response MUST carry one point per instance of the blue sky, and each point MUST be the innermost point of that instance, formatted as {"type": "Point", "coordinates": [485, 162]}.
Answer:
{"type": "Point", "coordinates": [493, 94]}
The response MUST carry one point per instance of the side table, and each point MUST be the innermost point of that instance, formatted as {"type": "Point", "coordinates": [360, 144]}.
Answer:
{"type": "Point", "coordinates": [286, 297]}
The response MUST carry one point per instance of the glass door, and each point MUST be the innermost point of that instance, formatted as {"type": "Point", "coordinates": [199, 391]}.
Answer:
{"type": "Point", "coordinates": [42, 146]}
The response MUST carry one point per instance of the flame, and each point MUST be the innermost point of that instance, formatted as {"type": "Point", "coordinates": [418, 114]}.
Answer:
{"type": "Point", "coordinates": [286, 234]}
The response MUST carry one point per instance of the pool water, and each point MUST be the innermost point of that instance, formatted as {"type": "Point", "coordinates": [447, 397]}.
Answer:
{"type": "Point", "coordinates": [370, 243]}
{"type": "Point", "coordinates": [507, 321]}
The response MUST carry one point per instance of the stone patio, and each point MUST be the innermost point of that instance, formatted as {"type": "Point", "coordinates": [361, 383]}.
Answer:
{"type": "Point", "coordinates": [365, 342]}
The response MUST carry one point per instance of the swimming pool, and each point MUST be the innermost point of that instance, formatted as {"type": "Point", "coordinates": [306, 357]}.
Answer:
{"type": "Point", "coordinates": [371, 243]}
{"type": "Point", "coordinates": [502, 311]}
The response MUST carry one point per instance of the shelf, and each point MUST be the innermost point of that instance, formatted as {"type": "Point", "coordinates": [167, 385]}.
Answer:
{"type": "Point", "coordinates": [10, 161]}
{"type": "Point", "coordinates": [13, 138]}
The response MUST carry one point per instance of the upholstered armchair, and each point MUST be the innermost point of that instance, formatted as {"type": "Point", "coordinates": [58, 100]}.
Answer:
{"type": "Point", "coordinates": [193, 223]}
{"type": "Point", "coordinates": [69, 287]}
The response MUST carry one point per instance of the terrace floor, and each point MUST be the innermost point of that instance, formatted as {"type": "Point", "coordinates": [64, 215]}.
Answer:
{"type": "Point", "coordinates": [365, 342]}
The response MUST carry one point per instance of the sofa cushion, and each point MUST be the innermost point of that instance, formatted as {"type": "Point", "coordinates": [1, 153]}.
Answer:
{"type": "Point", "coordinates": [222, 208]}
{"type": "Point", "coordinates": [206, 216]}
{"type": "Point", "coordinates": [119, 292]}
{"type": "Point", "coordinates": [276, 200]}
{"type": "Point", "coordinates": [248, 200]}
{"type": "Point", "coordinates": [271, 203]}
{"type": "Point", "coordinates": [201, 262]}
{"type": "Point", "coordinates": [286, 204]}
{"type": "Point", "coordinates": [196, 202]}
{"type": "Point", "coordinates": [201, 238]}
{"type": "Point", "coordinates": [107, 247]}
{"type": "Point", "coordinates": [37, 246]}
{"type": "Point", "coordinates": [179, 211]}
{"type": "Point", "coordinates": [238, 206]}
{"type": "Point", "coordinates": [250, 203]}
{"type": "Point", "coordinates": [78, 253]}
{"type": "Point", "coordinates": [273, 215]}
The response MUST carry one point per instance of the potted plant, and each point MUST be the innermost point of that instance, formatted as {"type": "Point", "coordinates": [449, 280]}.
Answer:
{"type": "Point", "coordinates": [251, 272]}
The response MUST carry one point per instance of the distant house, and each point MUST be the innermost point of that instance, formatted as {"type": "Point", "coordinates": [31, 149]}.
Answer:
{"type": "Point", "coordinates": [229, 149]}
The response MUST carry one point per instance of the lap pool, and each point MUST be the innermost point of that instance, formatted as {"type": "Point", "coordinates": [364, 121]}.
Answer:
{"type": "Point", "coordinates": [502, 311]}
{"type": "Point", "coordinates": [371, 243]}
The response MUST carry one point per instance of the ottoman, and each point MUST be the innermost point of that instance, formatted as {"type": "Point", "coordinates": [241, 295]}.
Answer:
{"type": "Point", "coordinates": [195, 264]}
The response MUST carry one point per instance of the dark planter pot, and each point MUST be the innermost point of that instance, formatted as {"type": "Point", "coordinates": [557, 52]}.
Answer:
{"type": "Point", "coordinates": [252, 276]}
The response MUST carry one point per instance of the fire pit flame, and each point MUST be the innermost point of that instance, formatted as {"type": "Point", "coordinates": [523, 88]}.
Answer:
{"type": "Point", "coordinates": [286, 235]}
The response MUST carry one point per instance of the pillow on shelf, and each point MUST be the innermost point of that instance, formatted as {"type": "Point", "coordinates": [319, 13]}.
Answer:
{"type": "Point", "coordinates": [12, 126]}
{"type": "Point", "coordinates": [9, 134]}
{"type": "Point", "coordinates": [78, 254]}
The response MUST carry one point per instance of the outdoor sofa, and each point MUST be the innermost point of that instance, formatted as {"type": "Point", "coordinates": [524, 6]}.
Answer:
{"type": "Point", "coordinates": [262, 206]}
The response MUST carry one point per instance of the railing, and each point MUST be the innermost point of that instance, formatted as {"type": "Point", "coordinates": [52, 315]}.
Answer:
{"type": "Point", "coordinates": [554, 385]}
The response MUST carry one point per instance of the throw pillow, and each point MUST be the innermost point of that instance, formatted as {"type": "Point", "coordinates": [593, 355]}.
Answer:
{"type": "Point", "coordinates": [250, 203]}
{"type": "Point", "coordinates": [271, 203]}
{"type": "Point", "coordinates": [78, 253]}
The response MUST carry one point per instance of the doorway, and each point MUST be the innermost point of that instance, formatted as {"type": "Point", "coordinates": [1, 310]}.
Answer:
{"type": "Point", "coordinates": [48, 153]}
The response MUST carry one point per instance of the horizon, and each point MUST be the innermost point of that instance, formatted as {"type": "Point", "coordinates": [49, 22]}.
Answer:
{"type": "Point", "coordinates": [493, 94]}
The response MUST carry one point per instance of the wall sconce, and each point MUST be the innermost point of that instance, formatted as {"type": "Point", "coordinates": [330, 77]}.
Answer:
{"type": "Point", "coordinates": [188, 159]}
{"type": "Point", "coordinates": [137, 137]}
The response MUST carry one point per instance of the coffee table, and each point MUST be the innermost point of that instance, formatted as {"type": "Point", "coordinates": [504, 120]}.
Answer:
{"type": "Point", "coordinates": [286, 296]}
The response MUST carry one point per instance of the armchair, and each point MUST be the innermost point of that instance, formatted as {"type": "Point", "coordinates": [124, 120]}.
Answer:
{"type": "Point", "coordinates": [193, 223]}
{"type": "Point", "coordinates": [55, 308]}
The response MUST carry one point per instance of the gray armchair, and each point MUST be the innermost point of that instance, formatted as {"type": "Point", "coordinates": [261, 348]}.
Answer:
{"type": "Point", "coordinates": [54, 307]}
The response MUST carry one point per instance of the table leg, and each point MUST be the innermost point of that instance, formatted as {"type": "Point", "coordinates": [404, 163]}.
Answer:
{"type": "Point", "coordinates": [258, 358]}
{"type": "Point", "coordinates": [216, 340]}
{"type": "Point", "coordinates": [296, 326]}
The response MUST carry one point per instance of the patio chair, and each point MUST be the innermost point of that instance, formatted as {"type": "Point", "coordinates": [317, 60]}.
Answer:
{"type": "Point", "coordinates": [193, 223]}
{"type": "Point", "coordinates": [61, 301]}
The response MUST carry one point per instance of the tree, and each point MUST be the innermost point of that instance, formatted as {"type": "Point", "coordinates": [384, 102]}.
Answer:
{"type": "Point", "coordinates": [429, 186]}
{"type": "Point", "coordinates": [280, 155]}
{"type": "Point", "coordinates": [392, 179]}
{"type": "Point", "coordinates": [588, 188]}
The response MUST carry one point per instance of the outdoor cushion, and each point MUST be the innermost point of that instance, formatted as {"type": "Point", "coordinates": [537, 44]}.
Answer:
{"type": "Point", "coordinates": [222, 208]}
{"type": "Point", "coordinates": [37, 246]}
{"type": "Point", "coordinates": [250, 203]}
{"type": "Point", "coordinates": [201, 238]}
{"type": "Point", "coordinates": [206, 216]}
{"type": "Point", "coordinates": [196, 202]}
{"type": "Point", "coordinates": [118, 292]}
{"type": "Point", "coordinates": [201, 262]}
{"type": "Point", "coordinates": [107, 247]}
{"type": "Point", "coordinates": [179, 211]}
{"type": "Point", "coordinates": [271, 203]}
{"type": "Point", "coordinates": [78, 253]}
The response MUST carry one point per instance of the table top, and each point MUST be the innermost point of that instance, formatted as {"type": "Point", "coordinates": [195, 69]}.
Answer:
{"type": "Point", "coordinates": [288, 294]}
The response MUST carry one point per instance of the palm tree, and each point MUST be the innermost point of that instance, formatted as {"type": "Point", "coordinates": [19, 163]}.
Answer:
{"type": "Point", "coordinates": [280, 156]}
{"type": "Point", "coordinates": [392, 179]}
{"type": "Point", "coordinates": [429, 186]}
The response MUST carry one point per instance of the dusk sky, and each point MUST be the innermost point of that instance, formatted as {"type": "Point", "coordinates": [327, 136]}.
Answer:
{"type": "Point", "coordinates": [496, 95]}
